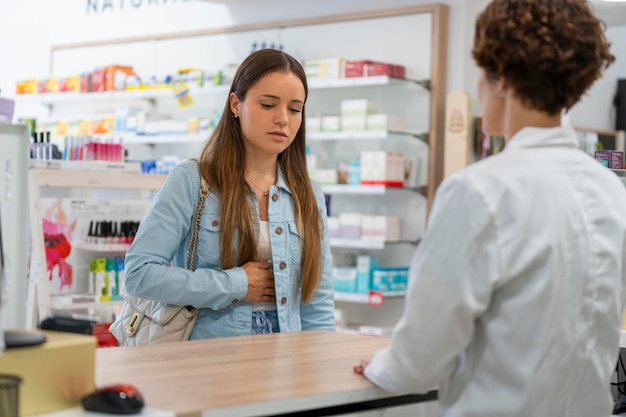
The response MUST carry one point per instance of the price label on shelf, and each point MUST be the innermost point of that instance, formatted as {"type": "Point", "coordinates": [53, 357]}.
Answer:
{"type": "Point", "coordinates": [375, 299]}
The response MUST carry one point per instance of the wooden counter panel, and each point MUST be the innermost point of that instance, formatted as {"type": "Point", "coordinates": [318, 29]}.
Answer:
{"type": "Point", "coordinates": [189, 377]}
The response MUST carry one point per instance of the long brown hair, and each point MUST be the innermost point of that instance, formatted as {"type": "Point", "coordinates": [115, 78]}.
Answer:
{"type": "Point", "coordinates": [222, 163]}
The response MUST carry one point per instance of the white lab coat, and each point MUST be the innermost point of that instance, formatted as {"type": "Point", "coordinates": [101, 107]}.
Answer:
{"type": "Point", "coordinates": [516, 292]}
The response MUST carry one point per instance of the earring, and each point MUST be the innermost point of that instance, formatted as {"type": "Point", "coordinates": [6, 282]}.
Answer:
{"type": "Point", "coordinates": [235, 116]}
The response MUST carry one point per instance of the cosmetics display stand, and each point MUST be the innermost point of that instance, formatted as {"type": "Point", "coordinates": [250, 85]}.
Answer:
{"type": "Point", "coordinates": [38, 299]}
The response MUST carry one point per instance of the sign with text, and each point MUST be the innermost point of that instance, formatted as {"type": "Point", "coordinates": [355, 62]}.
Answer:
{"type": "Point", "coordinates": [103, 6]}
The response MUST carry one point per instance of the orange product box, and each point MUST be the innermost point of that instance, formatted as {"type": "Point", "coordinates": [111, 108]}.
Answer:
{"type": "Point", "coordinates": [28, 86]}
{"type": "Point", "coordinates": [115, 77]}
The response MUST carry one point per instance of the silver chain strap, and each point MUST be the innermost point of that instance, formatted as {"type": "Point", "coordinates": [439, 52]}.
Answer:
{"type": "Point", "coordinates": [192, 257]}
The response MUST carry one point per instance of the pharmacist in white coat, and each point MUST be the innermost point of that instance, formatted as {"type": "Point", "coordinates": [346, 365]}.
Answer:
{"type": "Point", "coordinates": [516, 292]}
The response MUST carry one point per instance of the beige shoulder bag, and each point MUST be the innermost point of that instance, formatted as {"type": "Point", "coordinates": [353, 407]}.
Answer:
{"type": "Point", "coordinates": [144, 321]}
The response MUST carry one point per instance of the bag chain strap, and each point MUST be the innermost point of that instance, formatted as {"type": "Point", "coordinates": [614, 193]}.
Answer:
{"type": "Point", "coordinates": [192, 257]}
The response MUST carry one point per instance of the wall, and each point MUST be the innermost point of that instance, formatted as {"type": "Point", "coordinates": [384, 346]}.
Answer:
{"type": "Point", "coordinates": [27, 32]}
{"type": "Point", "coordinates": [595, 109]}
{"type": "Point", "coordinates": [36, 32]}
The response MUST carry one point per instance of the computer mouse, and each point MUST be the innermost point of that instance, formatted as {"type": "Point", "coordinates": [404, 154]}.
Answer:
{"type": "Point", "coordinates": [114, 399]}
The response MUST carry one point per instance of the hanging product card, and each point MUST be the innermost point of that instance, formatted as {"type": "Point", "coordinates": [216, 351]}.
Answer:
{"type": "Point", "coordinates": [183, 97]}
{"type": "Point", "coordinates": [76, 230]}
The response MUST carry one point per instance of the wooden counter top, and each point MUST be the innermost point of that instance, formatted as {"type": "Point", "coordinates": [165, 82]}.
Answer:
{"type": "Point", "coordinates": [246, 375]}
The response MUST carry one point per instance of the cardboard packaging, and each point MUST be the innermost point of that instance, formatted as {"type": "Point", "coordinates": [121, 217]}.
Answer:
{"type": "Point", "coordinates": [55, 375]}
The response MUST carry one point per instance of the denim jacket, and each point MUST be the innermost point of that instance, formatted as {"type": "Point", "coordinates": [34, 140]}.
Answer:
{"type": "Point", "coordinates": [163, 236]}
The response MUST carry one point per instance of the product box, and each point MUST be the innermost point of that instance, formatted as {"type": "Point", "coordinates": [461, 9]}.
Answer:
{"type": "Point", "coordinates": [55, 375]}
{"type": "Point", "coordinates": [85, 82]}
{"type": "Point", "coordinates": [381, 121]}
{"type": "Point", "coordinates": [603, 157]}
{"type": "Point", "coordinates": [324, 68]}
{"type": "Point", "coordinates": [364, 266]}
{"type": "Point", "coordinates": [345, 278]}
{"type": "Point", "coordinates": [610, 159]}
{"type": "Point", "coordinates": [386, 228]}
{"type": "Point", "coordinates": [115, 77]}
{"type": "Point", "coordinates": [28, 86]}
{"type": "Point", "coordinates": [382, 168]}
{"type": "Point", "coordinates": [357, 107]}
{"type": "Point", "coordinates": [397, 279]}
{"type": "Point", "coordinates": [380, 279]}
{"type": "Point", "coordinates": [350, 225]}
{"type": "Point", "coordinates": [365, 68]}
{"type": "Point", "coordinates": [331, 123]}
{"type": "Point", "coordinates": [313, 124]}
{"type": "Point", "coordinates": [333, 227]}
{"type": "Point", "coordinates": [353, 123]}
{"type": "Point", "coordinates": [324, 176]}
{"type": "Point", "coordinates": [617, 160]}
{"type": "Point", "coordinates": [97, 80]}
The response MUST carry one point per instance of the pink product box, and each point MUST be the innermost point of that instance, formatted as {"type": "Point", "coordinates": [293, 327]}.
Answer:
{"type": "Point", "coordinates": [617, 160]}
{"type": "Point", "coordinates": [365, 68]}
{"type": "Point", "coordinates": [610, 159]}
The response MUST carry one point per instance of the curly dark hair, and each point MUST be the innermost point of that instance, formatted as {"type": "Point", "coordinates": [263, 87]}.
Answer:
{"type": "Point", "coordinates": [549, 51]}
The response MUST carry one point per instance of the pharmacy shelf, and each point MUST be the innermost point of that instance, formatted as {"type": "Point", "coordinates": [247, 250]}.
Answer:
{"type": "Point", "coordinates": [62, 98]}
{"type": "Point", "coordinates": [108, 166]}
{"type": "Point", "coordinates": [363, 135]}
{"type": "Point", "coordinates": [354, 189]}
{"type": "Point", "coordinates": [366, 189]}
{"type": "Point", "coordinates": [103, 247]}
{"type": "Point", "coordinates": [165, 138]}
{"type": "Point", "coordinates": [66, 306]}
{"type": "Point", "coordinates": [359, 298]}
{"type": "Point", "coordinates": [357, 243]}
{"type": "Point", "coordinates": [321, 83]}
{"type": "Point", "coordinates": [148, 94]}
{"type": "Point", "coordinates": [368, 243]}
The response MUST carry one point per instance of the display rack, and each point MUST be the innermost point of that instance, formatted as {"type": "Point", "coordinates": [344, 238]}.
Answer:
{"type": "Point", "coordinates": [38, 299]}
{"type": "Point", "coordinates": [427, 56]}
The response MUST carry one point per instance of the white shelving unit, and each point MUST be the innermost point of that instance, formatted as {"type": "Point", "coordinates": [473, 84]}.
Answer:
{"type": "Point", "coordinates": [426, 65]}
{"type": "Point", "coordinates": [39, 302]}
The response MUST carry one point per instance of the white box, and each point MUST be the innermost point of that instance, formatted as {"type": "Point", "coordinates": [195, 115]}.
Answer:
{"type": "Point", "coordinates": [357, 107]}
{"type": "Point", "coordinates": [382, 168]}
{"type": "Point", "coordinates": [353, 123]}
{"type": "Point", "coordinates": [324, 176]}
{"type": "Point", "coordinates": [324, 68]}
{"type": "Point", "coordinates": [350, 225]}
{"type": "Point", "coordinates": [313, 124]}
{"type": "Point", "coordinates": [387, 228]}
{"type": "Point", "coordinates": [368, 230]}
{"type": "Point", "coordinates": [331, 123]}
{"type": "Point", "coordinates": [381, 121]}
{"type": "Point", "coordinates": [333, 227]}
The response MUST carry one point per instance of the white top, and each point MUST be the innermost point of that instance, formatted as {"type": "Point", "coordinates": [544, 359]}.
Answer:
{"type": "Point", "coordinates": [265, 252]}
{"type": "Point", "coordinates": [516, 293]}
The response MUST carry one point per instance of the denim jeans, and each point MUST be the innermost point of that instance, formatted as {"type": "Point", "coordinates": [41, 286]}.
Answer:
{"type": "Point", "coordinates": [264, 322]}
